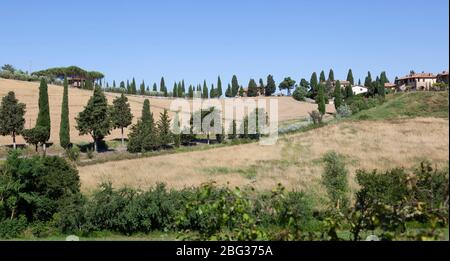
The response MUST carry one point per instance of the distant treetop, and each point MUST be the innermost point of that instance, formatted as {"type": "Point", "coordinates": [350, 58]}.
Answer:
{"type": "Point", "coordinates": [70, 71]}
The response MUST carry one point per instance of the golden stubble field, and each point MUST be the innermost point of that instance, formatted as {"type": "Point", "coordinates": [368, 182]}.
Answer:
{"type": "Point", "coordinates": [294, 161]}
{"type": "Point", "coordinates": [28, 93]}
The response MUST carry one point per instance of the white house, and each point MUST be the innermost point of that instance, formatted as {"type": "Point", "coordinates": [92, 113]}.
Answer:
{"type": "Point", "coordinates": [359, 89]}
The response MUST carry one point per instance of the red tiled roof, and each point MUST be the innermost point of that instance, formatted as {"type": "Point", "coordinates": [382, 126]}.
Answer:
{"type": "Point", "coordinates": [418, 75]}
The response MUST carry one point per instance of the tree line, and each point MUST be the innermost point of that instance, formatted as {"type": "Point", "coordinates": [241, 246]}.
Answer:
{"type": "Point", "coordinates": [98, 119]}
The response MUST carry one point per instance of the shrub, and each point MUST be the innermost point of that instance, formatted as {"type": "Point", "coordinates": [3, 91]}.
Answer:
{"type": "Point", "coordinates": [73, 153]}
{"type": "Point", "coordinates": [90, 153]}
{"type": "Point", "coordinates": [220, 214]}
{"type": "Point", "coordinates": [125, 210]}
{"type": "Point", "coordinates": [387, 200]}
{"type": "Point", "coordinates": [35, 186]}
{"type": "Point", "coordinates": [300, 93]}
{"type": "Point", "coordinates": [334, 178]}
{"type": "Point", "coordinates": [290, 210]}
{"type": "Point", "coordinates": [12, 228]}
{"type": "Point", "coordinates": [316, 117]}
{"type": "Point", "coordinates": [343, 111]}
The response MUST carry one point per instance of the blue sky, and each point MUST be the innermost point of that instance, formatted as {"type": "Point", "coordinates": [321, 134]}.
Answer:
{"type": "Point", "coordinates": [196, 40]}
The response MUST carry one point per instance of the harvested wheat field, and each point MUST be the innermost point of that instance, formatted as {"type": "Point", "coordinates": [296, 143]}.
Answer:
{"type": "Point", "coordinates": [294, 161]}
{"type": "Point", "coordinates": [28, 93]}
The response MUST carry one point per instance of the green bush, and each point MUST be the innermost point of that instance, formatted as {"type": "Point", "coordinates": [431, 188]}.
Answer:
{"type": "Point", "coordinates": [343, 111]}
{"type": "Point", "coordinates": [35, 186]}
{"type": "Point", "coordinates": [12, 228]}
{"type": "Point", "coordinates": [73, 153]}
{"type": "Point", "coordinates": [335, 179]}
{"type": "Point", "coordinates": [388, 200]}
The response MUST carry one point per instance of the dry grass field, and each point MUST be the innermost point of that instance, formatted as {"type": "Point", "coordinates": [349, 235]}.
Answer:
{"type": "Point", "coordinates": [28, 93]}
{"type": "Point", "coordinates": [294, 161]}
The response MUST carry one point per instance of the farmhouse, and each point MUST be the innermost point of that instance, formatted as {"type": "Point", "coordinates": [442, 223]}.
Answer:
{"type": "Point", "coordinates": [359, 89]}
{"type": "Point", "coordinates": [416, 81]}
{"type": "Point", "coordinates": [442, 77]}
{"type": "Point", "coordinates": [343, 83]}
{"type": "Point", "coordinates": [390, 86]}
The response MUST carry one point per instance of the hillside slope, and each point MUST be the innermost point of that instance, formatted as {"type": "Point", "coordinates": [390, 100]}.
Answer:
{"type": "Point", "coordinates": [407, 105]}
{"type": "Point", "coordinates": [27, 92]}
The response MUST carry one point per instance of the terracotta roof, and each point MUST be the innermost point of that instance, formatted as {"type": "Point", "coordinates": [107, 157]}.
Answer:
{"type": "Point", "coordinates": [389, 85]}
{"type": "Point", "coordinates": [418, 75]}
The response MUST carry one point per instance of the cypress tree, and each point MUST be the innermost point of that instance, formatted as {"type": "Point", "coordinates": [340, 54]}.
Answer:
{"type": "Point", "coordinates": [321, 99]}
{"type": "Point", "coordinates": [43, 119]}
{"type": "Point", "coordinates": [128, 87]}
{"type": "Point", "coordinates": [368, 80]}
{"type": "Point", "coordinates": [252, 89]}
{"type": "Point", "coordinates": [164, 132]}
{"type": "Point", "coordinates": [233, 132]}
{"type": "Point", "coordinates": [234, 86]}
{"type": "Point", "coordinates": [133, 87]}
{"type": "Point", "coordinates": [348, 92]}
{"type": "Point", "coordinates": [331, 75]}
{"type": "Point", "coordinates": [261, 87]}
{"type": "Point", "coordinates": [313, 83]}
{"type": "Point", "coordinates": [191, 92]}
{"type": "Point", "coordinates": [64, 127]}
{"type": "Point", "coordinates": [94, 119]}
{"type": "Point", "coordinates": [142, 136]}
{"type": "Point", "coordinates": [155, 87]}
{"type": "Point", "coordinates": [350, 77]}
{"type": "Point", "coordinates": [205, 90]}
{"type": "Point", "coordinates": [175, 90]}
{"type": "Point", "coordinates": [383, 78]}
{"type": "Point", "coordinates": [219, 87]}
{"type": "Point", "coordinates": [121, 114]}
{"type": "Point", "coordinates": [337, 95]}
{"type": "Point", "coordinates": [183, 88]}
{"type": "Point", "coordinates": [162, 85]}
{"type": "Point", "coordinates": [241, 91]}
{"type": "Point", "coordinates": [11, 116]}
{"type": "Point", "coordinates": [322, 77]}
{"type": "Point", "coordinates": [142, 88]}
{"type": "Point", "coordinates": [271, 87]}
{"type": "Point", "coordinates": [212, 92]}
{"type": "Point", "coordinates": [180, 90]}
{"type": "Point", "coordinates": [228, 91]}
{"type": "Point", "coordinates": [114, 84]}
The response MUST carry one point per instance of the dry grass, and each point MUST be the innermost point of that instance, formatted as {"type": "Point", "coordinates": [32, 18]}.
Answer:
{"type": "Point", "coordinates": [27, 92]}
{"type": "Point", "coordinates": [294, 161]}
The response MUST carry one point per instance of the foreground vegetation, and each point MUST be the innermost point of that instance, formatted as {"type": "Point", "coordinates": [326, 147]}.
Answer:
{"type": "Point", "coordinates": [40, 196]}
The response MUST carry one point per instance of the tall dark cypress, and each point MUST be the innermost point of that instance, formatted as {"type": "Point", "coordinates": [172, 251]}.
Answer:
{"type": "Point", "coordinates": [175, 90]}
{"type": "Point", "coordinates": [322, 77]}
{"type": "Point", "coordinates": [234, 86]}
{"type": "Point", "coordinates": [205, 90]}
{"type": "Point", "coordinates": [337, 95]}
{"type": "Point", "coordinates": [350, 77]}
{"type": "Point", "coordinates": [219, 91]}
{"type": "Point", "coordinates": [64, 127]}
{"type": "Point", "coordinates": [43, 119]}
{"type": "Point", "coordinates": [313, 84]}
{"type": "Point", "coordinates": [321, 99]}
{"type": "Point", "coordinates": [331, 75]}
{"type": "Point", "coordinates": [133, 87]}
